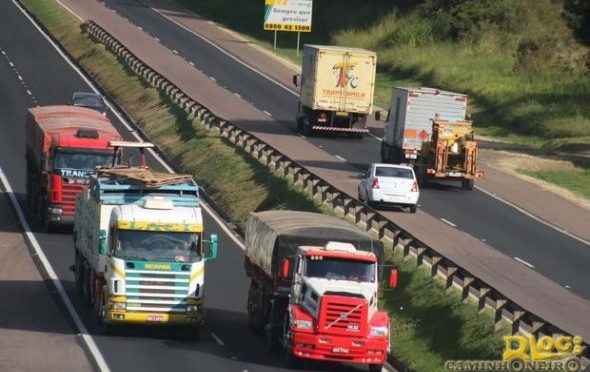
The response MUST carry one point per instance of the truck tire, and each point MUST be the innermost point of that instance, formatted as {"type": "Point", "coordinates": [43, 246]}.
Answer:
{"type": "Point", "coordinates": [375, 367]}
{"type": "Point", "coordinates": [384, 157]}
{"type": "Point", "coordinates": [273, 338]}
{"type": "Point", "coordinates": [78, 273]}
{"type": "Point", "coordinates": [291, 360]}
{"type": "Point", "coordinates": [307, 130]}
{"type": "Point", "coordinates": [300, 124]}
{"type": "Point", "coordinates": [86, 290]}
{"type": "Point", "coordinates": [255, 308]}
{"type": "Point", "coordinates": [468, 184]}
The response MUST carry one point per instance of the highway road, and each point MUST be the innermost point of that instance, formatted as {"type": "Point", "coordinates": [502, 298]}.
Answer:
{"type": "Point", "coordinates": [550, 252]}
{"type": "Point", "coordinates": [33, 73]}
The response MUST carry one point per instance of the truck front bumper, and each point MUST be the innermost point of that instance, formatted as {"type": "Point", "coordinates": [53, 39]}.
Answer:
{"type": "Point", "coordinates": [165, 319]}
{"type": "Point", "coordinates": [340, 348]}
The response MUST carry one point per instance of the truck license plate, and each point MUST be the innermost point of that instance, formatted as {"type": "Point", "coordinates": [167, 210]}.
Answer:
{"type": "Point", "coordinates": [155, 318]}
{"type": "Point", "coordinates": [340, 350]}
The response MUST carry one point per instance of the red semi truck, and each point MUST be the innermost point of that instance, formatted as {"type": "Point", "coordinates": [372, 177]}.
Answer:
{"type": "Point", "coordinates": [64, 144]}
{"type": "Point", "coordinates": [314, 288]}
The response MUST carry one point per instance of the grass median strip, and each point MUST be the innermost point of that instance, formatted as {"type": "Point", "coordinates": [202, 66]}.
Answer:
{"type": "Point", "coordinates": [428, 325]}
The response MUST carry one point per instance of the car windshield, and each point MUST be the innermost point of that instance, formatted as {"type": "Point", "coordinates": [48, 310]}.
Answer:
{"type": "Point", "coordinates": [90, 101]}
{"type": "Point", "coordinates": [158, 246]}
{"type": "Point", "coordinates": [340, 269]}
{"type": "Point", "coordinates": [394, 172]}
{"type": "Point", "coordinates": [81, 159]}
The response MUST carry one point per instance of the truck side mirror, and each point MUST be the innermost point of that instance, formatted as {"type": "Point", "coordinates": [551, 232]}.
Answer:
{"type": "Point", "coordinates": [378, 115]}
{"type": "Point", "coordinates": [102, 242]}
{"type": "Point", "coordinates": [393, 278]}
{"type": "Point", "coordinates": [295, 80]}
{"type": "Point", "coordinates": [285, 268]}
{"type": "Point", "coordinates": [212, 253]}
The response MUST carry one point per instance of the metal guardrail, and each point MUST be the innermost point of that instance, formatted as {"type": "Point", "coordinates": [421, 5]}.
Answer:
{"type": "Point", "coordinates": [522, 320]}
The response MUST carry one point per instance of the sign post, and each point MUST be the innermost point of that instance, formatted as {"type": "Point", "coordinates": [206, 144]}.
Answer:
{"type": "Point", "coordinates": [288, 15]}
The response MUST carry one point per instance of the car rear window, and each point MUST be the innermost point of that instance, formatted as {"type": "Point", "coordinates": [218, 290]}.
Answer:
{"type": "Point", "coordinates": [394, 172]}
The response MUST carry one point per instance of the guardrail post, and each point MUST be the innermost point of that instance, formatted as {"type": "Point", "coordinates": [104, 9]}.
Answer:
{"type": "Point", "coordinates": [537, 326]}
{"type": "Point", "coordinates": [420, 255]}
{"type": "Point", "coordinates": [517, 315]}
{"type": "Point", "coordinates": [467, 282]}
{"type": "Point", "coordinates": [436, 260]}
{"type": "Point", "coordinates": [481, 302]}
{"type": "Point", "coordinates": [451, 270]}
{"type": "Point", "coordinates": [500, 306]}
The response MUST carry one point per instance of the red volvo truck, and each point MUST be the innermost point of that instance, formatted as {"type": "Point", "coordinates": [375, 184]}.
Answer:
{"type": "Point", "coordinates": [64, 144]}
{"type": "Point", "coordinates": [314, 288]}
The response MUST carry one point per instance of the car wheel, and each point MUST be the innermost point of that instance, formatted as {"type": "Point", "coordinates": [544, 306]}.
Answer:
{"type": "Point", "coordinates": [413, 208]}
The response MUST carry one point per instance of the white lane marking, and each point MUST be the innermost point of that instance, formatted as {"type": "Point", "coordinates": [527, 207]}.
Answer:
{"type": "Point", "coordinates": [339, 157]}
{"type": "Point", "coordinates": [302, 136]}
{"type": "Point", "coordinates": [538, 219]}
{"type": "Point", "coordinates": [71, 11]}
{"type": "Point", "coordinates": [158, 40]}
{"type": "Point", "coordinates": [237, 95]}
{"type": "Point", "coordinates": [374, 136]}
{"type": "Point", "coordinates": [212, 78]}
{"type": "Point", "coordinates": [191, 63]}
{"type": "Point", "coordinates": [267, 113]}
{"type": "Point", "coordinates": [11, 64]}
{"type": "Point", "coordinates": [100, 362]}
{"type": "Point", "coordinates": [140, 28]}
{"type": "Point", "coordinates": [524, 262]}
{"type": "Point", "coordinates": [448, 222]}
{"type": "Point", "coordinates": [19, 77]}
{"type": "Point", "coordinates": [567, 286]}
{"type": "Point", "coordinates": [29, 93]}
{"type": "Point", "coordinates": [276, 82]}
{"type": "Point", "coordinates": [174, 51]}
{"type": "Point", "coordinates": [217, 339]}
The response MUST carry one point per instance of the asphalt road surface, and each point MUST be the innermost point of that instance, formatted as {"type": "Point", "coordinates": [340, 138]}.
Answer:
{"type": "Point", "coordinates": [553, 254]}
{"type": "Point", "coordinates": [33, 73]}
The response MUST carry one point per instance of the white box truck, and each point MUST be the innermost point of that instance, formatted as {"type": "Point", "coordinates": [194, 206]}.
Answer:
{"type": "Point", "coordinates": [337, 87]}
{"type": "Point", "coordinates": [429, 129]}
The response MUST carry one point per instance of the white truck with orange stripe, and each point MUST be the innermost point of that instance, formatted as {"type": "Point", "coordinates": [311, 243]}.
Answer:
{"type": "Point", "coordinates": [139, 248]}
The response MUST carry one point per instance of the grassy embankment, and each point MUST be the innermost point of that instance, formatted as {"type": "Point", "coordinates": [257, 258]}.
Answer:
{"type": "Point", "coordinates": [429, 326]}
{"type": "Point", "coordinates": [526, 76]}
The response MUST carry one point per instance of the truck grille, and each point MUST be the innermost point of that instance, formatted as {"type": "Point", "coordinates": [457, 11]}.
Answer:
{"type": "Point", "coordinates": [343, 315]}
{"type": "Point", "coordinates": [69, 193]}
{"type": "Point", "coordinates": [161, 291]}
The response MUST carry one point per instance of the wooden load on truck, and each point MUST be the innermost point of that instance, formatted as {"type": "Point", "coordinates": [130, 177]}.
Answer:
{"type": "Point", "coordinates": [428, 129]}
{"type": "Point", "coordinates": [63, 146]}
{"type": "Point", "coordinates": [314, 288]}
{"type": "Point", "coordinates": [337, 85]}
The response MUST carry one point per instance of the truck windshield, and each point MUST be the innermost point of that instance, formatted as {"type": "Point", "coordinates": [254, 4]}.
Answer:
{"type": "Point", "coordinates": [81, 159]}
{"type": "Point", "coordinates": [340, 269]}
{"type": "Point", "coordinates": [157, 246]}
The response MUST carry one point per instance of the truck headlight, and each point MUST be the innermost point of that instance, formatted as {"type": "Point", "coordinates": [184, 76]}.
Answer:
{"type": "Point", "coordinates": [53, 210]}
{"type": "Point", "coordinates": [379, 331]}
{"type": "Point", "coordinates": [192, 308]}
{"type": "Point", "coordinates": [118, 305]}
{"type": "Point", "coordinates": [303, 324]}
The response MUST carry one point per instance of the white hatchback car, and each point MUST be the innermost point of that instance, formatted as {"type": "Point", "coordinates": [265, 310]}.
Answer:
{"type": "Point", "coordinates": [389, 184]}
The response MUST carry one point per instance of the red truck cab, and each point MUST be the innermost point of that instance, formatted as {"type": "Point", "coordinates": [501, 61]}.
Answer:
{"type": "Point", "coordinates": [64, 144]}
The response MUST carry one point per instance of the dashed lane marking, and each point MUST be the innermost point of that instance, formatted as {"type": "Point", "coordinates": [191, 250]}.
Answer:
{"type": "Point", "coordinates": [529, 265]}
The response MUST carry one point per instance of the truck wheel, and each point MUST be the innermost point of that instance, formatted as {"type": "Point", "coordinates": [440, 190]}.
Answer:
{"type": "Point", "coordinates": [255, 316]}
{"type": "Point", "coordinates": [300, 124]}
{"type": "Point", "coordinates": [78, 273]}
{"type": "Point", "coordinates": [307, 130]}
{"type": "Point", "coordinates": [292, 361]}
{"type": "Point", "coordinates": [42, 209]}
{"type": "Point", "coordinates": [106, 327]}
{"type": "Point", "coordinates": [86, 290]}
{"type": "Point", "coordinates": [413, 209]}
{"type": "Point", "coordinates": [273, 337]}
{"type": "Point", "coordinates": [375, 367]}
{"type": "Point", "coordinates": [468, 184]}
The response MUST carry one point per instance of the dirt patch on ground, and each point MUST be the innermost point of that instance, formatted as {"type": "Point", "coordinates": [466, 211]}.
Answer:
{"type": "Point", "coordinates": [512, 163]}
